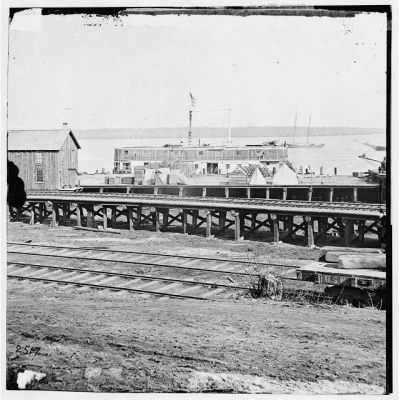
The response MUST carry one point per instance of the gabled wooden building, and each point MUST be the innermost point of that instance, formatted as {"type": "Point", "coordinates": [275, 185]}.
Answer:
{"type": "Point", "coordinates": [47, 159]}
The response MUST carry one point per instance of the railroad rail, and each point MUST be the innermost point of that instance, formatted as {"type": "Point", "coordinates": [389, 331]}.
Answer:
{"type": "Point", "coordinates": [160, 260]}
{"type": "Point", "coordinates": [315, 220]}
{"type": "Point", "coordinates": [192, 202]}
{"type": "Point", "coordinates": [35, 270]}
{"type": "Point", "coordinates": [357, 191]}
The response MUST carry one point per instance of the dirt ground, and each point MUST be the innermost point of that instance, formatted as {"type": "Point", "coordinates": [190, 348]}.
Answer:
{"type": "Point", "coordinates": [99, 340]}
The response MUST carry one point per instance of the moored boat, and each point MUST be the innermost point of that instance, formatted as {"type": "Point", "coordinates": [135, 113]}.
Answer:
{"type": "Point", "coordinates": [305, 145]}
{"type": "Point", "coordinates": [376, 147]}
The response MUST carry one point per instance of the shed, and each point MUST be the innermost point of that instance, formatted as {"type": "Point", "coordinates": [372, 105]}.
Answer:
{"type": "Point", "coordinates": [238, 177]}
{"type": "Point", "coordinates": [177, 177]}
{"type": "Point", "coordinates": [149, 176]}
{"type": "Point", "coordinates": [257, 177]}
{"type": "Point", "coordinates": [285, 176]}
{"type": "Point", "coordinates": [47, 159]}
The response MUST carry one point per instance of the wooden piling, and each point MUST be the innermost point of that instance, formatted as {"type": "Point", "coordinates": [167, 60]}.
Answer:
{"type": "Point", "coordinates": [331, 194]}
{"type": "Point", "coordinates": [222, 219]}
{"type": "Point", "coordinates": [348, 231]}
{"type": "Point", "coordinates": [138, 215]}
{"type": "Point", "coordinates": [323, 222]}
{"type": "Point", "coordinates": [54, 220]}
{"type": "Point", "coordinates": [236, 216]}
{"type": "Point", "coordinates": [113, 216]}
{"type": "Point", "coordinates": [184, 221]}
{"type": "Point", "coordinates": [78, 215]}
{"type": "Point", "coordinates": [130, 218]}
{"type": "Point", "coordinates": [267, 193]}
{"type": "Point", "coordinates": [105, 217]}
{"type": "Point", "coordinates": [156, 220]}
{"type": "Point", "coordinates": [310, 192]}
{"type": "Point", "coordinates": [68, 215]}
{"type": "Point", "coordinates": [64, 212]}
{"type": "Point", "coordinates": [165, 215]}
{"type": "Point", "coordinates": [355, 194]}
{"type": "Point", "coordinates": [289, 226]}
{"type": "Point", "coordinates": [361, 230]}
{"type": "Point", "coordinates": [309, 231]}
{"type": "Point", "coordinates": [194, 218]}
{"type": "Point", "coordinates": [40, 212]}
{"type": "Point", "coordinates": [242, 221]}
{"type": "Point", "coordinates": [32, 215]}
{"type": "Point", "coordinates": [284, 193]}
{"type": "Point", "coordinates": [253, 221]}
{"type": "Point", "coordinates": [90, 216]}
{"type": "Point", "coordinates": [208, 223]}
{"type": "Point", "coordinates": [276, 233]}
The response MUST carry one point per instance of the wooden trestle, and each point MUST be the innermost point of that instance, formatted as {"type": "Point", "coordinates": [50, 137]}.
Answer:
{"type": "Point", "coordinates": [315, 225]}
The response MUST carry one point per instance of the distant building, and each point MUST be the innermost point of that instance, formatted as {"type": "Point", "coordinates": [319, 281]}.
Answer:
{"type": "Point", "coordinates": [47, 159]}
{"type": "Point", "coordinates": [191, 160]}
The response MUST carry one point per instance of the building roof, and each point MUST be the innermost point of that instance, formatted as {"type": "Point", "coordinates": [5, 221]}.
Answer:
{"type": "Point", "coordinates": [285, 176]}
{"type": "Point", "coordinates": [208, 147]}
{"type": "Point", "coordinates": [44, 140]}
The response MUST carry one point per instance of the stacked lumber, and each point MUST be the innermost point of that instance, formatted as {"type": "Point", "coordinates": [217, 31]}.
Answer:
{"type": "Point", "coordinates": [352, 261]}
{"type": "Point", "coordinates": [354, 258]}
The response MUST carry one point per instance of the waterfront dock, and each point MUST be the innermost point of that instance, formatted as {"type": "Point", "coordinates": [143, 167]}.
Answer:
{"type": "Point", "coordinates": [314, 221]}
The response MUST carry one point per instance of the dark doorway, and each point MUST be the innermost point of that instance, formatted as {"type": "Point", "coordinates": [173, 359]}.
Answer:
{"type": "Point", "coordinates": [211, 168]}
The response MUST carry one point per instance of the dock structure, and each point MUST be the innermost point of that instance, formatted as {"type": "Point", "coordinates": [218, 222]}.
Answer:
{"type": "Point", "coordinates": [361, 192]}
{"type": "Point", "coordinates": [282, 218]}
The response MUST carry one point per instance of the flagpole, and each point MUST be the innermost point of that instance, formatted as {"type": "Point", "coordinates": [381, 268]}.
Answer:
{"type": "Point", "coordinates": [190, 116]}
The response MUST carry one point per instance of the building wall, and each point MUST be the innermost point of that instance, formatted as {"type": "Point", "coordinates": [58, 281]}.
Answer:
{"type": "Point", "coordinates": [25, 161]}
{"type": "Point", "coordinates": [191, 168]}
{"type": "Point", "coordinates": [68, 164]}
{"type": "Point", "coordinates": [175, 154]}
{"type": "Point", "coordinates": [59, 167]}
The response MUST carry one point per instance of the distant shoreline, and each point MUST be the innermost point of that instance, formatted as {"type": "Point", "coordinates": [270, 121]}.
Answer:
{"type": "Point", "coordinates": [210, 132]}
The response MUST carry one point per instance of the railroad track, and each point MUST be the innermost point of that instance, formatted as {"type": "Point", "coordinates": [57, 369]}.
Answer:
{"type": "Point", "coordinates": [194, 201]}
{"type": "Point", "coordinates": [25, 261]}
{"type": "Point", "coordinates": [160, 260]}
{"type": "Point", "coordinates": [83, 277]}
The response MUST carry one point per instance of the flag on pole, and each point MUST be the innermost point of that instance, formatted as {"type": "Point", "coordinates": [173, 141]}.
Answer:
{"type": "Point", "coordinates": [193, 101]}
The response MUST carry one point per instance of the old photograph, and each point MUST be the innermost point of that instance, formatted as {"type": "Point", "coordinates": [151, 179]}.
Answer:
{"type": "Point", "coordinates": [199, 200]}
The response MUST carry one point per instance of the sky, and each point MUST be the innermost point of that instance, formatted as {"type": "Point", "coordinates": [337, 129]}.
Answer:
{"type": "Point", "coordinates": [138, 71]}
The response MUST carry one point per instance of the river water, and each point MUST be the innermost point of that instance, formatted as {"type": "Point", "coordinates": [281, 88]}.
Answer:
{"type": "Point", "coordinates": [341, 152]}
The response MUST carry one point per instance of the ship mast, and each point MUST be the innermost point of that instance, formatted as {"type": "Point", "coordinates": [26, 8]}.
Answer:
{"type": "Point", "coordinates": [296, 115]}
{"type": "Point", "coordinates": [307, 132]}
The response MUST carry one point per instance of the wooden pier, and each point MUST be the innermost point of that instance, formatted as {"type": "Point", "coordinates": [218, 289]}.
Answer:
{"type": "Point", "coordinates": [314, 221]}
{"type": "Point", "coordinates": [362, 192]}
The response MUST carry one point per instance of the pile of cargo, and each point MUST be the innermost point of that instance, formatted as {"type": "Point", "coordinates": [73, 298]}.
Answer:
{"type": "Point", "coordinates": [352, 275]}
{"type": "Point", "coordinates": [354, 258]}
